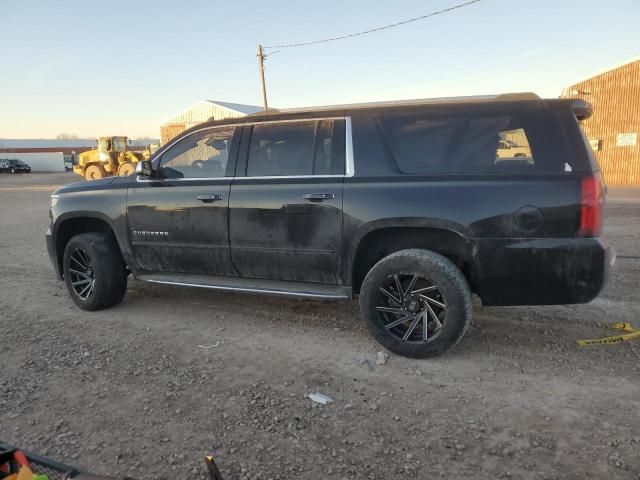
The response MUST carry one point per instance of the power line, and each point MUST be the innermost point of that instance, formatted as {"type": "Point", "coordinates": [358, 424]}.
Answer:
{"type": "Point", "coordinates": [377, 29]}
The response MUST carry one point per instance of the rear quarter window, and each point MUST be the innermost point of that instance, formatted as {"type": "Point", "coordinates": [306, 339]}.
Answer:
{"type": "Point", "coordinates": [519, 143]}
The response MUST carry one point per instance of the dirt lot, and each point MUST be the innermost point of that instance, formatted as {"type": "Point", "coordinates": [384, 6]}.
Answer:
{"type": "Point", "coordinates": [131, 391]}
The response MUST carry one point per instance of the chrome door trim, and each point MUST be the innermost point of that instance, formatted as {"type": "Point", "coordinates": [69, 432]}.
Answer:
{"type": "Point", "coordinates": [250, 290]}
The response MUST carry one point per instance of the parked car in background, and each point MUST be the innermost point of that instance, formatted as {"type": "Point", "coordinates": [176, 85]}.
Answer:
{"type": "Point", "coordinates": [510, 149]}
{"type": "Point", "coordinates": [13, 166]}
{"type": "Point", "coordinates": [412, 206]}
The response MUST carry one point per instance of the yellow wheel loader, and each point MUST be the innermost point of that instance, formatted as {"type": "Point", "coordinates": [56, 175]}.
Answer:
{"type": "Point", "coordinates": [110, 158]}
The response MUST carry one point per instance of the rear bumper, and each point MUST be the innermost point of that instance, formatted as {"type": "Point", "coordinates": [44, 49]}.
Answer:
{"type": "Point", "coordinates": [543, 271]}
{"type": "Point", "coordinates": [53, 254]}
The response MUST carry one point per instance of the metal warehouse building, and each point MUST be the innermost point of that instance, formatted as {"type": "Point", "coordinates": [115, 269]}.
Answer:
{"type": "Point", "coordinates": [614, 127]}
{"type": "Point", "coordinates": [202, 112]}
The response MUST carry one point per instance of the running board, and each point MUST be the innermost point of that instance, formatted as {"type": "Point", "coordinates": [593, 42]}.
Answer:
{"type": "Point", "coordinates": [251, 285]}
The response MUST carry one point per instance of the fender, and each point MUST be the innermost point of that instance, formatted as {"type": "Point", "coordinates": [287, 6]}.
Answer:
{"type": "Point", "coordinates": [118, 226]}
{"type": "Point", "coordinates": [354, 236]}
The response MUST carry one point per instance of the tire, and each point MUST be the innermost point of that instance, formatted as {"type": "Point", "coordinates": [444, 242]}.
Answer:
{"type": "Point", "coordinates": [94, 172]}
{"type": "Point", "coordinates": [94, 262]}
{"type": "Point", "coordinates": [439, 290]}
{"type": "Point", "coordinates": [13, 170]}
{"type": "Point", "coordinates": [126, 169]}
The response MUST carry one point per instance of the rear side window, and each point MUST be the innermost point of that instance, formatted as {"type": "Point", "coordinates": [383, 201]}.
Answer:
{"type": "Point", "coordinates": [523, 143]}
{"type": "Point", "coordinates": [297, 148]}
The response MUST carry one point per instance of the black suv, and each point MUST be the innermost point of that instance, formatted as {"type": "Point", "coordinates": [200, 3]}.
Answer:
{"type": "Point", "coordinates": [411, 205]}
{"type": "Point", "coordinates": [12, 165]}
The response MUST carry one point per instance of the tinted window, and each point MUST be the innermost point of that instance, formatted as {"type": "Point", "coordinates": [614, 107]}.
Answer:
{"type": "Point", "coordinates": [297, 148]}
{"type": "Point", "coordinates": [423, 144]}
{"type": "Point", "coordinates": [513, 146]}
{"type": "Point", "coordinates": [201, 155]}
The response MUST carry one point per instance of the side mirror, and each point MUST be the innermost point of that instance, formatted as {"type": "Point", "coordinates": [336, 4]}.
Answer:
{"type": "Point", "coordinates": [143, 168]}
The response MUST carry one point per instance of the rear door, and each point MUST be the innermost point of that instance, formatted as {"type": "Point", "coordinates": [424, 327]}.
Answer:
{"type": "Point", "coordinates": [285, 208]}
{"type": "Point", "coordinates": [178, 222]}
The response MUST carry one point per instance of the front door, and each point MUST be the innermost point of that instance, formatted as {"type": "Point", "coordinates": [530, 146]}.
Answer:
{"type": "Point", "coordinates": [178, 220]}
{"type": "Point", "coordinates": [285, 207]}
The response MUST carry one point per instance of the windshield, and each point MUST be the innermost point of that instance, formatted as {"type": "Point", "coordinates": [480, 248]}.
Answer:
{"type": "Point", "coordinates": [119, 144]}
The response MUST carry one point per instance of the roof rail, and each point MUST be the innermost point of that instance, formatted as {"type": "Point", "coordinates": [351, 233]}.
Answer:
{"type": "Point", "coordinates": [504, 97]}
{"type": "Point", "coordinates": [518, 96]}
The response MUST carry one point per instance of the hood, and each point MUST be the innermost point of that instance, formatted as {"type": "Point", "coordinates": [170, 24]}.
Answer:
{"type": "Point", "coordinates": [101, 184]}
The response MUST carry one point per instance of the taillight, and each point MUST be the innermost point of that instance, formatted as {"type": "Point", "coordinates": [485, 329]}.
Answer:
{"type": "Point", "coordinates": [591, 205]}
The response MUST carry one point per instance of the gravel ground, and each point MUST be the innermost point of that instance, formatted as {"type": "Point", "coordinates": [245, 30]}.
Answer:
{"type": "Point", "coordinates": [131, 390]}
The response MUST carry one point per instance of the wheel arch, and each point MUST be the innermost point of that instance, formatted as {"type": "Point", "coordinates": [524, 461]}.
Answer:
{"type": "Point", "coordinates": [74, 224]}
{"type": "Point", "coordinates": [383, 239]}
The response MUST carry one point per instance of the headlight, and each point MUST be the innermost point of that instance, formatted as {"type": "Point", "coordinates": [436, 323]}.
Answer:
{"type": "Point", "coordinates": [54, 200]}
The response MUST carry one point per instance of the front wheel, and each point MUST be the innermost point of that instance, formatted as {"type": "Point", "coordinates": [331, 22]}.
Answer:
{"type": "Point", "coordinates": [94, 271]}
{"type": "Point", "coordinates": [94, 172]}
{"type": "Point", "coordinates": [416, 303]}
{"type": "Point", "coordinates": [126, 169]}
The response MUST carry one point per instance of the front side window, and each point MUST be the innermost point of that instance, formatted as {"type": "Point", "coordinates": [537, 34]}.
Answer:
{"type": "Point", "coordinates": [297, 148]}
{"type": "Point", "coordinates": [200, 155]}
{"type": "Point", "coordinates": [119, 144]}
{"type": "Point", "coordinates": [104, 145]}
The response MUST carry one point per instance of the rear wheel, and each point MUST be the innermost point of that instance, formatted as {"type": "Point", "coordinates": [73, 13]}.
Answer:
{"type": "Point", "coordinates": [126, 169]}
{"type": "Point", "coordinates": [94, 172]}
{"type": "Point", "coordinates": [416, 303]}
{"type": "Point", "coordinates": [13, 170]}
{"type": "Point", "coordinates": [94, 271]}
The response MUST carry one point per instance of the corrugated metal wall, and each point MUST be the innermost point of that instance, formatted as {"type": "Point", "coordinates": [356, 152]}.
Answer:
{"type": "Point", "coordinates": [615, 96]}
{"type": "Point", "coordinates": [200, 112]}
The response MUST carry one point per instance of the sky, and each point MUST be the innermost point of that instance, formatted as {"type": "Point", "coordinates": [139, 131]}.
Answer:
{"type": "Point", "coordinates": [118, 67]}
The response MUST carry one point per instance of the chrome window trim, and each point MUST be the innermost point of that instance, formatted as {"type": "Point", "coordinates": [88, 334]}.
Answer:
{"type": "Point", "coordinates": [191, 179]}
{"type": "Point", "coordinates": [348, 156]}
{"type": "Point", "coordinates": [349, 169]}
{"type": "Point", "coordinates": [275, 177]}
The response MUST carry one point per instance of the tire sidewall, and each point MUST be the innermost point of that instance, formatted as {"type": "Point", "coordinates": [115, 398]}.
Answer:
{"type": "Point", "coordinates": [441, 272]}
{"type": "Point", "coordinates": [110, 276]}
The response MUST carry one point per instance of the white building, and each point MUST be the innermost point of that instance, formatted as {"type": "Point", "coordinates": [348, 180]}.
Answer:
{"type": "Point", "coordinates": [203, 111]}
{"type": "Point", "coordinates": [39, 161]}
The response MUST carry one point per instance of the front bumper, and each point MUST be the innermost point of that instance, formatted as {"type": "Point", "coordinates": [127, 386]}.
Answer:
{"type": "Point", "coordinates": [53, 254]}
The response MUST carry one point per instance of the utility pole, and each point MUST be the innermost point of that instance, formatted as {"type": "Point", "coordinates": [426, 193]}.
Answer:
{"type": "Point", "coordinates": [261, 58]}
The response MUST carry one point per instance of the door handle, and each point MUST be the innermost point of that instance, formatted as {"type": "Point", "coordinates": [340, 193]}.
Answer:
{"type": "Point", "coordinates": [214, 197]}
{"type": "Point", "coordinates": [318, 197]}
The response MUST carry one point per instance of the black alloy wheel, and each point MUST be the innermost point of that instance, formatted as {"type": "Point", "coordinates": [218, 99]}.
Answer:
{"type": "Point", "coordinates": [412, 308]}
{"type": "Point", "coordinates": [416, 303]}
{"type": "Point", "coordinates": [82, 274]}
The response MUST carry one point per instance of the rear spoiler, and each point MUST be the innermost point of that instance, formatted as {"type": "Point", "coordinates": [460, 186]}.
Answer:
{"type": "Point", "coordinates": [581, 109]}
